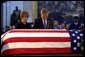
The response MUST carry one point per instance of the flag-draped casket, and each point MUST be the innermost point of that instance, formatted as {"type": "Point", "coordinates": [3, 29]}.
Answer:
{"type": "Point", "coordinates": [37, 41]}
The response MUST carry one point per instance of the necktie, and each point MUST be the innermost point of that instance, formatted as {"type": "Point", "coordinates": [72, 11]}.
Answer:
{"type": "Point", "coordinates": [45, 25]}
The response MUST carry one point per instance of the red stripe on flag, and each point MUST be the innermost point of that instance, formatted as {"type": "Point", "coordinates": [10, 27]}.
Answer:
{"type": "Point", "coordinates": [38, 31]}
{"type": "Point", "coordinates": [35, 51]}
{"type": "Point", "coordinates": [32, 30]}
{"type": "Point", "coordinates": [36, 39]}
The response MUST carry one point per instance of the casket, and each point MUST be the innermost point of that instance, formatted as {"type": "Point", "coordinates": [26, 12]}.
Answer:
{"type": "Point", "coordinates": [35, 42]}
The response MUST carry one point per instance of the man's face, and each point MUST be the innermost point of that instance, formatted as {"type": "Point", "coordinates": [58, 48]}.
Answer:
{"type": "Point", "coordinates": [76, 20]}
{"type": "Point", "coordinates": [44, 15]}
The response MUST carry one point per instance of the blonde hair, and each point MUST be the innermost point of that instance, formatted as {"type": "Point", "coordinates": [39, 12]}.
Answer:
{"type": "Point", "coordinates": [24, 14]}
{"type": "Point", "coordinates": [44, 10]}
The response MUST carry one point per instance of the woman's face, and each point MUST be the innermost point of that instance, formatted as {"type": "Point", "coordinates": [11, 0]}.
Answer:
{"type": "Point", "coordinates": [25, 19]}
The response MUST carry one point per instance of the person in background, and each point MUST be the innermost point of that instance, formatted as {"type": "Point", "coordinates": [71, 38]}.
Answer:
{"type": "Point", "coordinates": [15, 17]}
{"type": "Point", "coordinates": [76, 24]}
{"type": "Point", "coordinates": [23, 23]}
{"type": "Point", "coordinates": [55, 24]}
{"type": "Point", "coordinates": [58, 25]}
{"type": "Point", "coordinates": [44, 22]}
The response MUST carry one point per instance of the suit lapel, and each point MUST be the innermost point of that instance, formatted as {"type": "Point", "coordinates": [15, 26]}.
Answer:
{"type": "Point", "coordinates": [41, 23]}
{"type": "Point", "coordinates": [48, 23]}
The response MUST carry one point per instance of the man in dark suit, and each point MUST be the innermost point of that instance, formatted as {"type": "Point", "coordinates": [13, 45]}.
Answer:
{"type": "Point", "coordinates": [43, 22]}
{"type": "Point", "coordinates": [76, 24]}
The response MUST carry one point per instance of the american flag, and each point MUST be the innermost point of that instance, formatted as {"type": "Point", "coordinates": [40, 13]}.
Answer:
{"type": "Point", "coordinates": [76, 40]}
{"type": "Point", "coordinates": [40, 41]}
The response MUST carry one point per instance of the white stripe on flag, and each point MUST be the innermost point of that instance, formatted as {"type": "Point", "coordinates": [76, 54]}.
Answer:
{"type": "Point", "coordinates": [36, 45]}
{"type": "Point", "coordinates": [35, 34]}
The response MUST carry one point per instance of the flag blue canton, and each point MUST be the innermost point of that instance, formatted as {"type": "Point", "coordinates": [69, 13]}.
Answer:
{"type": "Point", "coordinates": [76, 40]}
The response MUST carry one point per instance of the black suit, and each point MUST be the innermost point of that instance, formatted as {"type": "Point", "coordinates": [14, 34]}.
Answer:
{"type": "Point", "coordinates": [39, 24]}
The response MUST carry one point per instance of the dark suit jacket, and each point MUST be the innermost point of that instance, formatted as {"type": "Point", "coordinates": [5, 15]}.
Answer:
{"type": "Point", "coordinates": [73, 26]}
{"type": "Point", "coordinates": [39, 24]}
{"type": "Point", "coordinates": [20, 25]}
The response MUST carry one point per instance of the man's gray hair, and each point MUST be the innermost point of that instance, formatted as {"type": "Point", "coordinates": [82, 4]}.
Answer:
{"type": "Point", "coordinates": [44, 10]}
